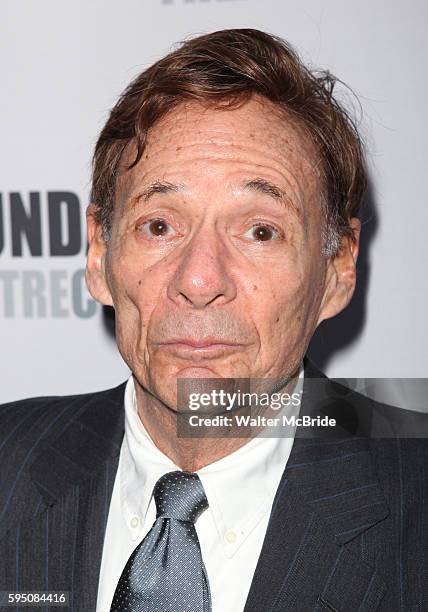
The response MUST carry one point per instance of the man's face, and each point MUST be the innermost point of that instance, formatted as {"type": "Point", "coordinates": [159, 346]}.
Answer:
{"type": "Point", "coordinates": [214, 266]}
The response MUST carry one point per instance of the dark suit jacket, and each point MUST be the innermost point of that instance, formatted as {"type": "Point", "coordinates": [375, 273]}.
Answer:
{"type": "Point", "coordinates": [348, 529]}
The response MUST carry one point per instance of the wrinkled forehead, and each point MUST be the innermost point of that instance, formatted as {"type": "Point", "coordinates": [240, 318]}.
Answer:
{"type": "Point", "coordinates": [256, 136]}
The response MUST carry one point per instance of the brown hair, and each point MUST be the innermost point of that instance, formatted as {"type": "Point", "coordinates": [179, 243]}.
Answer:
{"type": "Point", "coordinates": [227, 68]}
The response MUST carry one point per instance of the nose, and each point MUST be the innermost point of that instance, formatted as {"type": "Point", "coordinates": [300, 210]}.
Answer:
{"type": "Point", "coordinates": [202, 278]}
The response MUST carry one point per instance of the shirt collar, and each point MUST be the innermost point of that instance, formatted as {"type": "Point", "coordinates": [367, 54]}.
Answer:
{"type": "Point", "coordinates": [257, 466]}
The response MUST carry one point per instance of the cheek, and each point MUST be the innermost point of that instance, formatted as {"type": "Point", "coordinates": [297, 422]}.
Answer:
{"type": "Point", "coordinates": [277, 290]}
{"type": "Point", "coordinates": [286, 301]}
{"type": "Point", "coordinates": [135, 293]}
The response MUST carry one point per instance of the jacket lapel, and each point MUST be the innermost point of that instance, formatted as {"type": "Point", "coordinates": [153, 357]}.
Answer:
{"type": "Point", "coordinates": [75, 476]}
{"type": "Point", "coordinates": [328, 496]}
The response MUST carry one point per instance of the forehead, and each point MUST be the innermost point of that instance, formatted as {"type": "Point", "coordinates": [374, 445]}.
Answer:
{"type": "Point", "coordinates": [200, 144]}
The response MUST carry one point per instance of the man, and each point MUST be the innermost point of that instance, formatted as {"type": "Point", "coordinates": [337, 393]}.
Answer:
{"type": "Point", "coordinates": [223, 231]}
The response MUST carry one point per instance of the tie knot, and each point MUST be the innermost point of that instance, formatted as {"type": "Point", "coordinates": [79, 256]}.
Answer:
{"type": "Point", "coordinates": [180, 495]}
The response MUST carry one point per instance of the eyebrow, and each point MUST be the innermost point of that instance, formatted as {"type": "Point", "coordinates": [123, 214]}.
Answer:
{"type": "Point", "coordinates": [157, 187]}
{"type": "Point", "coordinates": [258, 185]}
{"type": "Point", "coordinates": [261, 185]}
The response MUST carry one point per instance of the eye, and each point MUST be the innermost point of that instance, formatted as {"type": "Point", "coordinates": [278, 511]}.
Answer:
{"type": "Point", "coordinates": [262, 232]}
{"type": "Point", "coordinates": [155, 228]}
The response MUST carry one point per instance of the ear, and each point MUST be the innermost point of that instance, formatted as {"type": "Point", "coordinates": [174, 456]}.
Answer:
{"type": "Point", "coordinates": [341, 275]}
{"type": "Point", "coordinates": [95, 262]}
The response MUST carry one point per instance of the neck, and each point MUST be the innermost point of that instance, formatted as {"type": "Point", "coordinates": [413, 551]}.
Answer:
{"type": "Point", "coordinates": [190, 453]}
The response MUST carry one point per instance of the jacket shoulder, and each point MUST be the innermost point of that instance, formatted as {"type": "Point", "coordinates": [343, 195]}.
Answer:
{"type": "Point", "coordinates": [47, 440]}
{"type": "Point", "coordinates": [27, 425]}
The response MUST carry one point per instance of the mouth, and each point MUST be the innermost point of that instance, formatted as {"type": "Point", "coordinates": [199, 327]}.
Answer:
{"type": "Point", "coordinates": [210, 348]}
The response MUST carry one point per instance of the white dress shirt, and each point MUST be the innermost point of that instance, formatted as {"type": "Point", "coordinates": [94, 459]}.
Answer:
{"type": "Point", "coordinates": [240, 490]}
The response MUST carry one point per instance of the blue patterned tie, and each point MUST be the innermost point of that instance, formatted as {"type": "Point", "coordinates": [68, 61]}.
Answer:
{"type": "Point", "coordinates": [165, 573]}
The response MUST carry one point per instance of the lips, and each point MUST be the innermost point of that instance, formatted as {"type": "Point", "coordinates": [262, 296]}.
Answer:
{"type": "Point", "coordinates": [206, 348]}
{"type": "Point", "coordinates": [200, 343]}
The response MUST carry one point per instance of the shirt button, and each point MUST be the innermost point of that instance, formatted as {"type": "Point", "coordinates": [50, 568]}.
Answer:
{"type": "Point", "coordinates": [230, 537]}
{"type": "Point", "coordinates": [135, 521]}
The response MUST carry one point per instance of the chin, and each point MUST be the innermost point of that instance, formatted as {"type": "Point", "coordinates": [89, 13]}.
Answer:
{"type": "Point", "coordinates": [198, 372]}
